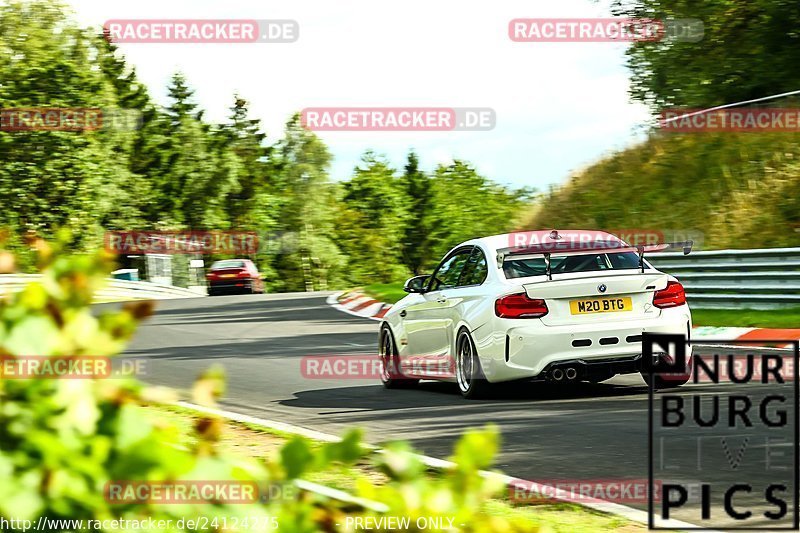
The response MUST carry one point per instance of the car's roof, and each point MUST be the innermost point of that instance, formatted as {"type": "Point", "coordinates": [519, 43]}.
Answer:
{"type": "Point", "coordinates": [526, 237]}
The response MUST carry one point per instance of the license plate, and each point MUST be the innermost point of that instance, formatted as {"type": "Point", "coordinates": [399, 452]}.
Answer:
{"type": "Point", "coordinates": [600, 305]}
{"type": "Point", "coordinates": [227, 275]}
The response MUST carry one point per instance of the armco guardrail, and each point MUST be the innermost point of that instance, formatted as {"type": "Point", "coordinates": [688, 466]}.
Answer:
{"type": "Point", "coordinates": [731, 279]}
{"type": "Point", "coordinates": [116, 290]}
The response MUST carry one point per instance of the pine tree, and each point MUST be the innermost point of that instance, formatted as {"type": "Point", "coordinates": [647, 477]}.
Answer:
{"type": "Point", "coordinates": [183, 105]}
{"type": "Point", "coordinates": [418, 238]}
{"type": "Point", "coordinates": [251, 204]}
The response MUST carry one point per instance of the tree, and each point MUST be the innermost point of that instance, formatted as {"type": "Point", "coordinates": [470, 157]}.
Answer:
{"type": "Point", "coordinates": [135, 113]}
{"type": "Point", "coordinates": [468, 206]}
{"type": "Point", "coordinates": [372, 222]}
{"type": "Point", "coordinates": [418, 231]}
{"type": "Point", "coordinates": [191, 169]}
{"type": "Point", "coordinates": [311, 260]}
{"type": "Point", "coordinates": [179, 171]}
{"type": "Point", "coordinates": [183, 105]}
{"type": "Point", "coordinates": [51, 179]}
{"type": "Point", "coordinates": [748, 50]}
{"type": "Point", "coordinates": [251, 204]}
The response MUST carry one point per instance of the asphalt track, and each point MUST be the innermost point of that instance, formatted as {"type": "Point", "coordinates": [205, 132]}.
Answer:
{"type": "Point", "coordinates": [586, 432]}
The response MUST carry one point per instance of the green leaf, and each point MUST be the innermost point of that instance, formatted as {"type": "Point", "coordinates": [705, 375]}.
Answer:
{"type": "Point", "coordinates": [32, 335]}
{"type": "Point", "coordinates": [296, 457]}
{"type": "Point", "coordinates": [132, 427]}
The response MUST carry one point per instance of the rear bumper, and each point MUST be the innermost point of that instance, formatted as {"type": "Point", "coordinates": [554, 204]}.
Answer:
{"type": "Point", "coordinates": [528, 350]}
{"type": "Point", "coordinates": [594, 368]}
{"type": "Point", "coordinates": [230, 285]}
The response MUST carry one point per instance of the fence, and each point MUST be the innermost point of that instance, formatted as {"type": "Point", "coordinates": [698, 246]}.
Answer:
{"type": "Point", "coordinates": [730, 279]}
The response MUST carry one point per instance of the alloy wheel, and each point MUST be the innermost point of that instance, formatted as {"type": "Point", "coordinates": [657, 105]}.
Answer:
{"type": "Point", "coordinates": [387, 356]}
{"type": "Point", "coordinates": [464, 364]}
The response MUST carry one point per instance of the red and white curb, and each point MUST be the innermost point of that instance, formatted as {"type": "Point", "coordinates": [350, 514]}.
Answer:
{"type": "Point", "coordinates": [752, 335]}
{"type": "Point", "coordinates": [634, 515]}
{"type": "Point", "coordinates": [358, 304]}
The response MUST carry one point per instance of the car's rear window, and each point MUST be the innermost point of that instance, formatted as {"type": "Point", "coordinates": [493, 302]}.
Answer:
{"type": "Point", "coordinates": [522, 268]}
{"type": "Point", "coordinates": [228, 263]}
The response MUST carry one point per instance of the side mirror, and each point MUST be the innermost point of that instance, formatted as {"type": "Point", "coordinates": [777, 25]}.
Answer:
{"type": "Point", "coordinates": [417, 284]}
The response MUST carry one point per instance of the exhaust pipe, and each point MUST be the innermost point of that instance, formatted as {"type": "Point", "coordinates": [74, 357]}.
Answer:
{"type": "Point", "coordinates": [571, 373]}
{"type": "Point", "coordinates": [558, 374]}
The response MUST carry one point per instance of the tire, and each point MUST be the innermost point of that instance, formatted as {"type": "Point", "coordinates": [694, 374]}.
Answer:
{"type": "Point", "coordinates": [391, 376]}
{"type": "Point", "coordinates": [471, 381]}
{"type": "Point", "coordinates": [665, 383]}
{"type": "Point", "coordinates": [669, 381]}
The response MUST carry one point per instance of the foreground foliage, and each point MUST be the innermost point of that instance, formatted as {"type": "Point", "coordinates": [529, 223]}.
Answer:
{"type": "Point", "coordinates": [63, 440]}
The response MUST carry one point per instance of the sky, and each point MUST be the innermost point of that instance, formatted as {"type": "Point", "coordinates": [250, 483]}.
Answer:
{"type": "Point", "coordinates": [559, 106]}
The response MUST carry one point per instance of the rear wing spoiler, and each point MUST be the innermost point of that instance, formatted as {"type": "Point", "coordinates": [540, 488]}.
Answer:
{"type": "Point", "coordinates": [562, 248]}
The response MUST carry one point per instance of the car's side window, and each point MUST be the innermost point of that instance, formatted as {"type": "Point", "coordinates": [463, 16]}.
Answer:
{"type": "Point", "coordinates": [449, 271]}
{"type": "Point", "coordinates": [475, 271]}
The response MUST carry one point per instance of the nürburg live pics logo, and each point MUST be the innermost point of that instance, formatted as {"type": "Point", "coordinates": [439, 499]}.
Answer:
{"type": "Point", "coordinates": [723, 448]}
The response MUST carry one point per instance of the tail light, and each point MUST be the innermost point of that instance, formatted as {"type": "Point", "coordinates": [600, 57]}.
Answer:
{"type": "Point", "coordinates": [238, 273]}
{"type": "Point", "coordinates": [520, 306]}
{"type": "Point", "coordinates": [672, 296]}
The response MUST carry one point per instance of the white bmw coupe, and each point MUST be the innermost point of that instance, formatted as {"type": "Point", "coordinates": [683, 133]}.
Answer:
{"type": "Point", "coordinates": [557, 306]}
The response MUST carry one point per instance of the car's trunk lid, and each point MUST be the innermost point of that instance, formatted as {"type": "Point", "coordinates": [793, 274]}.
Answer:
{"type": "Point", "coordinates": [571, 298]}
{"type": "Point", "coordinates": [228, 273]}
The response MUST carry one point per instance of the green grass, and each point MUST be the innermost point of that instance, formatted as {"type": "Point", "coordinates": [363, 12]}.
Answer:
{"type": "Point", "coordinates": [740, 190]}
{"type": "Point", "coordinates": [756, 318]}
{"type": "Point", "coordinates": [563, 517]}
{"type": "Point", "coordinates": [183, 417]}
{"type": "Point", "coordinates": [385, 292]}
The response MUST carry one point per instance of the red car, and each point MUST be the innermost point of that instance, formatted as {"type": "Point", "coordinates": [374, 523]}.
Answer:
{"type": "Point", "coordinates": [234, 275]}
